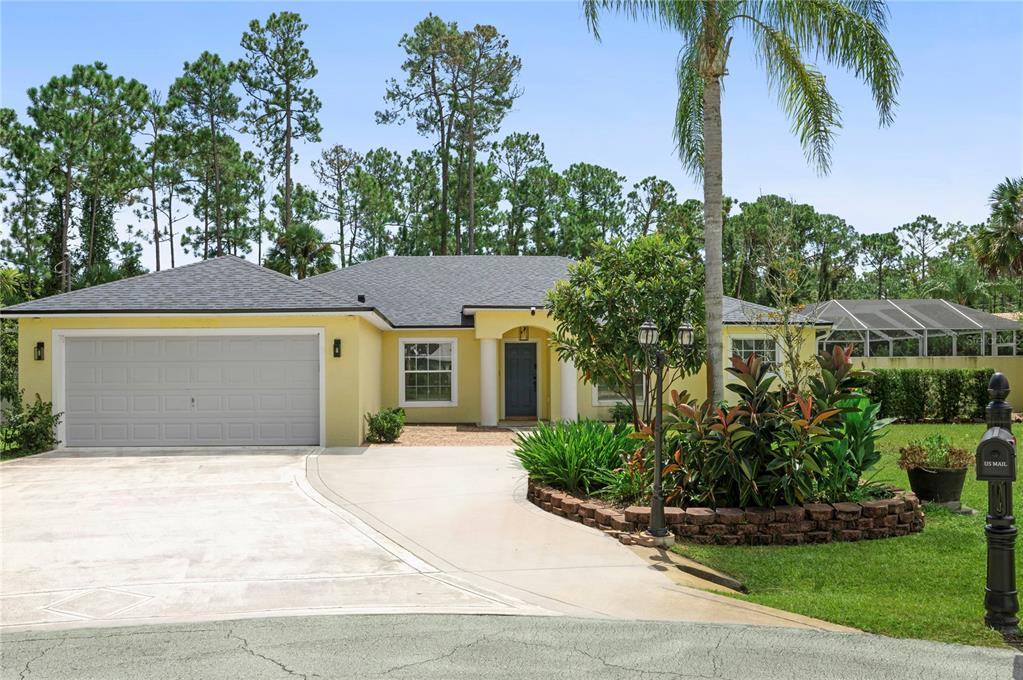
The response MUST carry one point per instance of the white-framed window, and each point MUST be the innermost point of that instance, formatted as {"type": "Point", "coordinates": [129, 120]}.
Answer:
{"type": "Point", "coordinates": [427, 372]}
{"type": "Point", "coordinates": [605, 396]}
{"type": "Point", "coordinates": [761, 345]}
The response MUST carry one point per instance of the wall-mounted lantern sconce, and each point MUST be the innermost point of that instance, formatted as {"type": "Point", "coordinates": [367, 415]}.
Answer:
{"type": "Point", "coordinates": [523, 333]}
{"type": "Point", "coordinates": [337, 348]}
{"type": "Point", "coordinates": [40, 351]}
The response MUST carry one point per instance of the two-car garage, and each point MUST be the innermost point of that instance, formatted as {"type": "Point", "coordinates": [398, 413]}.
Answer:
{"type": "Point", "coordinates": [189, 388]}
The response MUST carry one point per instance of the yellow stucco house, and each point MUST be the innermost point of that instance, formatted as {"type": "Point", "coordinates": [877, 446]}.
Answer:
{"type": "Point", "coordinates": [224, 352]}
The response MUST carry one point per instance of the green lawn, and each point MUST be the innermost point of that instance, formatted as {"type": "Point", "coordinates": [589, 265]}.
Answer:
{"type": "Point", "coordinates": [928, 585]}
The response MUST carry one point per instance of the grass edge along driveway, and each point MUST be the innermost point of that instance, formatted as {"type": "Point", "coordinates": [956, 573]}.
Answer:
{"type": "Point", "coordinates": [928, 585]}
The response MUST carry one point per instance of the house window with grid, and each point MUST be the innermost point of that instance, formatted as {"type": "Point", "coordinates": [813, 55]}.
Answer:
{"type": "Point", "coordinates": [428, 373]}
{"type": "Point", "coordinates": [765, 348]}
{"type": "Point", "coordinates": [605, 396]}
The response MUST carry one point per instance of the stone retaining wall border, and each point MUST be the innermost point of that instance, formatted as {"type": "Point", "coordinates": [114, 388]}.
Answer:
{"type": "Point", "coordinates": [782, 525]}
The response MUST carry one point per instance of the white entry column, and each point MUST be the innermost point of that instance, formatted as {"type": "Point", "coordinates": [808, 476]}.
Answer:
{"type": "Point", "coordinates": [569, 408]}
{"type": "Point", "coordinates": [488, 382]}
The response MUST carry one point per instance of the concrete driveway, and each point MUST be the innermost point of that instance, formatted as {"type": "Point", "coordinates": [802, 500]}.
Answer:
{"type": "Point", "coordinates": [464, 510]}
{"type": "Point", "coordinates": [101, 537]}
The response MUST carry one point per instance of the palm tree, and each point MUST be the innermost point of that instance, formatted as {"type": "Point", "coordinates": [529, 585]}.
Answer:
{"type": "Point", "coordinates": [12, 286]}
{"type": "Point", "coordinates": [845, 33]}
{"type": "Point", "coordinates": [300, 251]}
{"type": "Point", "coordinates": [999, 243]}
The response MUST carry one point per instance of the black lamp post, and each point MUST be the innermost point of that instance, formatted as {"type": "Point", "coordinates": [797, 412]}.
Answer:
{"type": "Point", "coordinates": [648, 340]}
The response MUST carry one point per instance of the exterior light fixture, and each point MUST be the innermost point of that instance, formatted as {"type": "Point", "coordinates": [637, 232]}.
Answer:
{"type": "Point", "coordinates": [685, 334]}
{"type": "Point", "coordinates": [40, 351]}
{"type": "Point", "coordinates": [337, 348]}
{"type": "Point", "coordinates": [648, 335]}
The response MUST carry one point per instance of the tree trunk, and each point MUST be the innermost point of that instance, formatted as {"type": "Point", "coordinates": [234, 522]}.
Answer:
{"type": "Point", "coordinates": [170, 224]}
{"type": "Point", "coordinates": [712, 210]}
{"type": "Point", "coordinates": [65, 214]}
{"type": "Point", "coordinates": [472, 190]}
{"type": "Point", "coordinates": [206, 219]}
{"type": "Point", "coordinates": [287, 161]}
{"type": "Point", "coordinates": [156, 219]}
{"type": "Point", "coordinates": [216, 186]}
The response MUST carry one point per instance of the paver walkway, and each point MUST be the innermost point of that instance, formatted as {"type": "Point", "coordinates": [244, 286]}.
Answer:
{"type": "Point", "coordinates": [464, 510]}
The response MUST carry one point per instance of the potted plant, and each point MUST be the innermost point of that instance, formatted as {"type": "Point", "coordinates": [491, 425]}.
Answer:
{"type": "Point", "coordinates": [936, 469]}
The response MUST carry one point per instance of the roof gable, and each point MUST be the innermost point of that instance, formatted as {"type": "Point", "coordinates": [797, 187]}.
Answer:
{"type": "Point", "coordinates": [222, 284]}
{"type": "Point", "coordinates": [434, 291]}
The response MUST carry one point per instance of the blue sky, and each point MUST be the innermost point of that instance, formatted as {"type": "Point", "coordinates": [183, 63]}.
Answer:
{"type": "Point", "coordinates": [958, 131]}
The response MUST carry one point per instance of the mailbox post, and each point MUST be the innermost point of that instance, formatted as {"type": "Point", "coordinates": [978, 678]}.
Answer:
{"type": "Point", "coordinates": [996, 464]}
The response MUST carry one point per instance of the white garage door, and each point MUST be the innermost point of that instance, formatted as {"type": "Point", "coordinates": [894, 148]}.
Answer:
{"type": "Point", "coordinates": [206, 390]}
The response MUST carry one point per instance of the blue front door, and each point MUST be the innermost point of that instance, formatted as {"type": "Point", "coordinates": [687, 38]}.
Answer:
{"type": "Point", "coordinates": [520, 380]}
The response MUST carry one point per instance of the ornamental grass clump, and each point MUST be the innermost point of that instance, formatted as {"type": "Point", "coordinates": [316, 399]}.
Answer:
{"type": "Point", "coordinates": [574, 456]}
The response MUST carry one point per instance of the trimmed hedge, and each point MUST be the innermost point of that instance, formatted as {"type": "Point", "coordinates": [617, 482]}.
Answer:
{"type": "Point", "coordinates": [947, 395]}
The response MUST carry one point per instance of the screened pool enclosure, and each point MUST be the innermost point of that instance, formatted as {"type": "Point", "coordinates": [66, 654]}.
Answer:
{"type": "Point", "coordinates": [915, 328]}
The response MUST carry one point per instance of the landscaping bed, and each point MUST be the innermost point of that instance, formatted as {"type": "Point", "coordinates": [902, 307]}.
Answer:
{"type": "Point", "coordinates": [928, 585]}
{"type": "Point", "coordinates": [781, 525]}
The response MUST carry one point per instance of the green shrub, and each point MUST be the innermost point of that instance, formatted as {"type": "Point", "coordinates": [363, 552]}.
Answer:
{"type": "Point", "coordinates": [621, 413]}
{"type": "Point", "coordinates": [773, 447]}
{"type": "Point", "coordinates": [933, 451]}
{"type": "Point", "coordinates": [385, 425]}
{"type": "Point", "coordinates": [631, 483]}
{"type": "Point", "coordinates": [946, 395]}
{"type": "Point", "coordinates": [573, 455]}
{"type": "Point", "coordinates": [28, 428]}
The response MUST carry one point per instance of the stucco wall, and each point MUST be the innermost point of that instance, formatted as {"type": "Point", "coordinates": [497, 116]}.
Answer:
{"type": "Point", "coordinates": [467, 410]}
{"type": "Point", "coordinates": [369, 356]}
{"type": "Point", "coordinates": [1012, 367]}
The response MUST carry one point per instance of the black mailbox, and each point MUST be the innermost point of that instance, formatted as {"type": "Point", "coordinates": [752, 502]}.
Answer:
{"type": "Point", "coordinates": [996, 456]}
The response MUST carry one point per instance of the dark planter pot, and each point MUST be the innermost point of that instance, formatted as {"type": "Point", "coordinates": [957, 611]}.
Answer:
{"type": "Point", "coordinates": [938, 485]}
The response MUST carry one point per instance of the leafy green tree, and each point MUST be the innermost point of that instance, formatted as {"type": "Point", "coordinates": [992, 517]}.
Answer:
{"type": "Point", "coordinates": [546, 200]}
{"type": "Point", "coordinates": [418, 213]}
{"type": "Point", "coordinates": [844, 33]}
{"type": "Point", "coordinates": [84, 123]}
{"type": "Point", "coordinates": [283, 108]}
{"type": "Point", "coordinates": [881, 253]}
{"type": "Point", "coordinates": [334, 173]}
{"type": "Point", "coordinates": [922, 238]}
{"type": "Point", "coordinates": [300, 250]}
{"type": "Point", "coordinates": [202, 100]}
{"type": "Point", "coordinates": [594, 209]}
{"type": "Point", "coordinates": [647, 203]}
{"type": "Point", "coordinates": [999, 243]}
{"type": "Point", "coordinates": [513, 158]}
{"type": "Point", "coordinates": [599, 308]}
{"type": "Point", "coordinates": [429, 95]}
{"type": "Point", "coordinates": [486, 72]}
{"type": "Point", "coordinates": [23, 165]}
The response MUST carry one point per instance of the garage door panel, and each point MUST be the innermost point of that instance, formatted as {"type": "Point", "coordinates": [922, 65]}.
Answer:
{"type": "Point", "coordinates": [206, 390]}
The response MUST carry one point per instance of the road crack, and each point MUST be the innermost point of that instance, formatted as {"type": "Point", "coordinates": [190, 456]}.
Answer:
{"type": "Point", "coordinates": [245, 647]}
{"type": "Point", "coordinates": [27, 670]}
{"type": "Point", "coordinates": [439, 657]}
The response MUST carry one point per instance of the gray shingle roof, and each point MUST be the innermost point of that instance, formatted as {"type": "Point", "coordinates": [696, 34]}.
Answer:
{"type": "Point", "coordinates": [433, 291]}
{"type": "Point", "coordinates": [407, 291]}
{"type": "Point", "coordinates": [222, 284]}
{"type": "Point", "coordinates": [918, 314]}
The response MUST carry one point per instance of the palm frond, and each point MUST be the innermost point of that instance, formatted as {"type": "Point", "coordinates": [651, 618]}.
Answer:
{"type": "Point", "coordinates": [802, 92]}
{"type": "Point", "coordinates": [846, 33]}
{"type": "Point", "coordinates": [689, 113]}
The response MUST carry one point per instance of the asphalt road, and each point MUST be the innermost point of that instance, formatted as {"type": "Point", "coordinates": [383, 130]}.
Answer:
{"type": "Point", "coordinates": [452, 647]}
